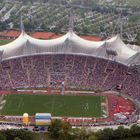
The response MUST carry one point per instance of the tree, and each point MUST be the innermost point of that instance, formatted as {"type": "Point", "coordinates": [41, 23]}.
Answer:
{"type": "Point", "coordinates": [99, 135]}
{"type": "Point", "coordinates": [60, 129]}
{"type": "Point", "coordinates": [12, 134]}
{"type": "Point", "coordinates": [121, 132]}
{"type": "Point", "coordinates": [17, 138]}
{"type": "Point", "coordinates": [65, 131]}
{"type": "Point", "coordinates": [106, 134]}
{"type": "Point", "coordinates": [79, 134]}
{"type": "Point", "coordinates": [135, 130]}
{"type": "Point", "coordinates": [93, 137]}
{"type": "Point", "coordinates": [55, 128]}
{"type": "Point", "coordinates": [2, 137]}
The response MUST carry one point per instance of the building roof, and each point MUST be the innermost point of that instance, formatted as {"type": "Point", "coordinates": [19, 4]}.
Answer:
{"type": "Point", "coordinates": [116, 44]}
{"type": "Point", "coordinates": [134, 47]}
{"type": "Point", "coordinates": [134, 60]}
{"type": "Point", "coordinates": [69, 43]}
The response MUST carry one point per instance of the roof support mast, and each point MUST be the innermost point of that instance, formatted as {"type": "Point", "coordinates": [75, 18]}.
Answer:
{"type": "Point", "coordinates": [22, 29]}
{"type": "Point", "coordinates": [71, 22]}
{"type": "Point", "coordinates": [121, 26]}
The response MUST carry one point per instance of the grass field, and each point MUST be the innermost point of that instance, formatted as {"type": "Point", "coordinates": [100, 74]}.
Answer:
{"type": "Point", "coordinates": [3, 42]}
{"type": "Point", "coordinates": [58, 105]}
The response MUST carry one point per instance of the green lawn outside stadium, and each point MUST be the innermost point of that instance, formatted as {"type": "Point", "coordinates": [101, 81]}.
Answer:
{"type": "Point", "coordinates": [58, 105]}
{"type": "Point", "coordinates": [3, 42]}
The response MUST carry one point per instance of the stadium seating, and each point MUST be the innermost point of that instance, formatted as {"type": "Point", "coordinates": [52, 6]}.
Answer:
{"type": "Point", "coordinates": [75, 70]}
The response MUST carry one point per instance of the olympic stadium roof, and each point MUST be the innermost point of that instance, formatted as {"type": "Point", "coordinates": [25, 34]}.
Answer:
{"type": "Point", "coordinates": [69, 43]}
{"type": "Point", "coordinates": [134, 60]}
{"type": "Point", "coordinates": [134, 47]}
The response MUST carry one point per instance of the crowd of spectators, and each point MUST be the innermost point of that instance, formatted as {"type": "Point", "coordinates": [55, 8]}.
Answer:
{"type": "Point", "coordinates": [74, 70]}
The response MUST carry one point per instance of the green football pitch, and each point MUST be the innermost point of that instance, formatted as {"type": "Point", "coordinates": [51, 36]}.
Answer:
{"type": "Point", "coordinates": [57, 105]}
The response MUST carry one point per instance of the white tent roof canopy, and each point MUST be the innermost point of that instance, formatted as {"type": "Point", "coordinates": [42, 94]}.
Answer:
{"type": "Point", "coordinates": [134, 60]}
{"type": "Point", "coordinates": [69, 43]}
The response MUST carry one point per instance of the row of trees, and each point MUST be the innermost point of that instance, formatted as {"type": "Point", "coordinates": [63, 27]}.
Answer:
{"type": "Point", "coordinates": [99, 20]}
{"type": "Point", "coordinates": [60, 130]}
{"type": "Point", "coordinates": [15, 135]}
{"type": "Point", "coordinates": [64, 131]}
{"type": "Point", "coordinates": [85, 2]}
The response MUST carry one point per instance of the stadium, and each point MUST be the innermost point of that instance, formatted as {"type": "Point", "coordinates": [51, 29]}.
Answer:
{"type": "Point", "coordinates": [77, 80]}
